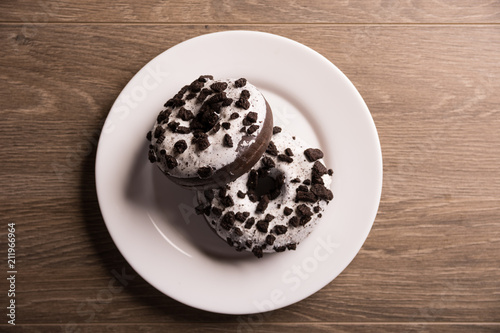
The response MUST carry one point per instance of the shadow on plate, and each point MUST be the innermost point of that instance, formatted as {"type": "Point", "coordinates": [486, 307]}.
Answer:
{"type": "Point", "coordinates": [145, 299]}
{"type": "Point", "coordinates": [172, 209]}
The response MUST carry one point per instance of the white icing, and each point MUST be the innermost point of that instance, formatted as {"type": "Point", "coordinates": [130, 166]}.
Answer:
{"type": "Point", "coordinates": [299, 168]}
{"type": "Point", "coordinates": [216, 155]}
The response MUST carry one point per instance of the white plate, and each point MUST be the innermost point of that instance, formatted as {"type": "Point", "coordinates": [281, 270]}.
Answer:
{"type": "Point", "coordinates": [152, 221]}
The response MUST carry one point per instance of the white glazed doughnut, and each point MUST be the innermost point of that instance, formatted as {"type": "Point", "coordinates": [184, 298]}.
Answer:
{"type": "Point", "coordinates": [211, 132]}
{"type": "Point", "coordinates": [275, 205]}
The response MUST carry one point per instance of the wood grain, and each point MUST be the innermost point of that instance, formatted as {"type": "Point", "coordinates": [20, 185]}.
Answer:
{"type": "Point", "coordinates": [259, 327]}
{"type": "Point", "coordinates": [430, 263]}
{"type": "Point", "coordinates": [251, 12]}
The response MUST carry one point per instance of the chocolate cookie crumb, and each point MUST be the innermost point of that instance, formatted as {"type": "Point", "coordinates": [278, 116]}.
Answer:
{"type": "Point", "coordinates": [295, 180]}
{"type": "Point", "coordinates": [280, 229]}
{"type": "Point", "coordinates": [313, 154]}
{"type": "Point", "coordinates": [307, 182]}
{"type": "Point", "coordinates": [152, 156]}
{"type": "Point", "coordinates": [276, 130]}
{"type": "Point", "coordinates": [173, 126]}
{"type": "Point", "coordinates": [287, 211]}
{"type": "Point", "coordinates": [270, 239]}
{"type": "Point", "coordinates": [288, 152]}
{"type": "Point", "coordinates": [316, 209]}
{"type": "Point", "coordinates": [257, 251]}
{"type": "Point", "coordinates": [183, 130]}
{"type": "Point", "coordinates": [182, 91]}
{"type": "Point", "coordinates": [294, 221]}
{"type": "Point", "coordinates": [201, 140]}
{"type": "Point", "coordinates": [269, 217]}
{"type": "Point", "coordinates": [204, 93]}
{"type": "Point", "coordinates": [160, 140]}
{"type": "Point", "coordinates": [319, 169]}
{"type": "Point", "coordinates": [204, 78]}
{"type": "Point", "coordinates": [163, 115]}
{"type": "Point", "coordinates": [180, 146]}
{"type": "Point", "coordinates": [199, 209]}
{"type": "Point", "coordinates": [227, 101]}
{"type": "Point", "coordinates": [320, 215]}
{"type": "Point", "coordinates": [251, 117]}
{"type": "Point", "coordinates": [234, 115]}
{"type": "Point", "coordinates": [205, 172]}
{"type": "Point", "coordinates": [227, 220]}
{"type": "Point", "coordinates": [185, 114]}
{"type": "Point", "coordinates": [302, 188]}
{"type": "Point", "coordinates": [263, 203]}
{"type": "Point", "coordinates": [252, 180]}
{"type": "Point", "coordinates": [243, 103]}
{"type": "Point", "coordinates": [149, 136]}
{"type": "Point", "coordinates": [322, 192]}
{"type": "Point", "coordinates": [304, 220]}
{"type": "Point", "coordinates": [222, 191]}
{"type": "Point", "coordinates": [240, 217]}
{"type": "Point", "coordinates": [240, 83]}
{"type": "Point", "coordinates": [227, 201]}
{"type": "Point", "coordinates": [171, 161]}
{"type": "Point", "coordinates": [249, 223]}
{"type": "Point", "coordinates": [196, 86]}
{"type": "Point", "coordinates": [285, 158]}
{"type": "Point", "coordinates": [158, 131]}
{"type": "Point", "coordinates": [218, 86]}
{"type": "Point", "coordinates": [317, 180]}
{"type": "Point", "coordinates": [216, 211]}
{"type": "Point", "coordinates": [280, 248]}
{"type": "Point", "coordinates": [252, 129]}
{"type": "Point", "coordinates": [245, 94]}
{"type": "Point", "coordinates": [216, 128]}
{"type": "Point", "coordinates": [190, 96]}
{"type": "Point", "coordinates": [174, 102]}
{"type": "Point", "coordinates": [227, 141]}
{"type": "Point", "coordinates": [240, 194]}
{"type": "Point", "coordinates": [330, 172]}
{"type": "Point", "coordinates": [262, 225]}
{"type": "Point", "coordinates": [291, 246]}
{"type": "Point", "coordinates": [303, 210]}
{"type": "Point", "coordinates": [252, 196]}
{"type": "Point", "coordinates": [306, 196]}
{"type": "Point", "coordinates": [238, 232]}
{"type": "Point", "coordinates": [267, 162]}
{"type": "Point", "coordinates": [271, 149]}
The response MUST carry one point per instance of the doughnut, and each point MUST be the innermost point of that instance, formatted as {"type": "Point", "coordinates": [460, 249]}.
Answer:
{"type": "Point", "coordinates": [211, 132]}
{"type": "Point", "coordinates": [276, 204]}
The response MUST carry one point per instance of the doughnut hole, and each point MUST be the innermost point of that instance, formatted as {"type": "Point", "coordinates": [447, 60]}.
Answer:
{"type": "Point", "coordinates": [270, 182]}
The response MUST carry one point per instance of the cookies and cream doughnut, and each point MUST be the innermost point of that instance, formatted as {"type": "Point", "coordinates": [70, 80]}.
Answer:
{"type": "Point", "coordinates": [275, 205]}
{"type": "Point", "coordinates": [211, 132]}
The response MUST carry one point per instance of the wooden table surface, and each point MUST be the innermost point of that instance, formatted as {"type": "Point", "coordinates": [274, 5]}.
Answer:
{"type": "Point", "coordinates": [429, 72]}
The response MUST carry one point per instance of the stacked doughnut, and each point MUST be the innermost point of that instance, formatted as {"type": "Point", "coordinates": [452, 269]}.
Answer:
{"type": "Point", "coordinates": [260, 188]}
